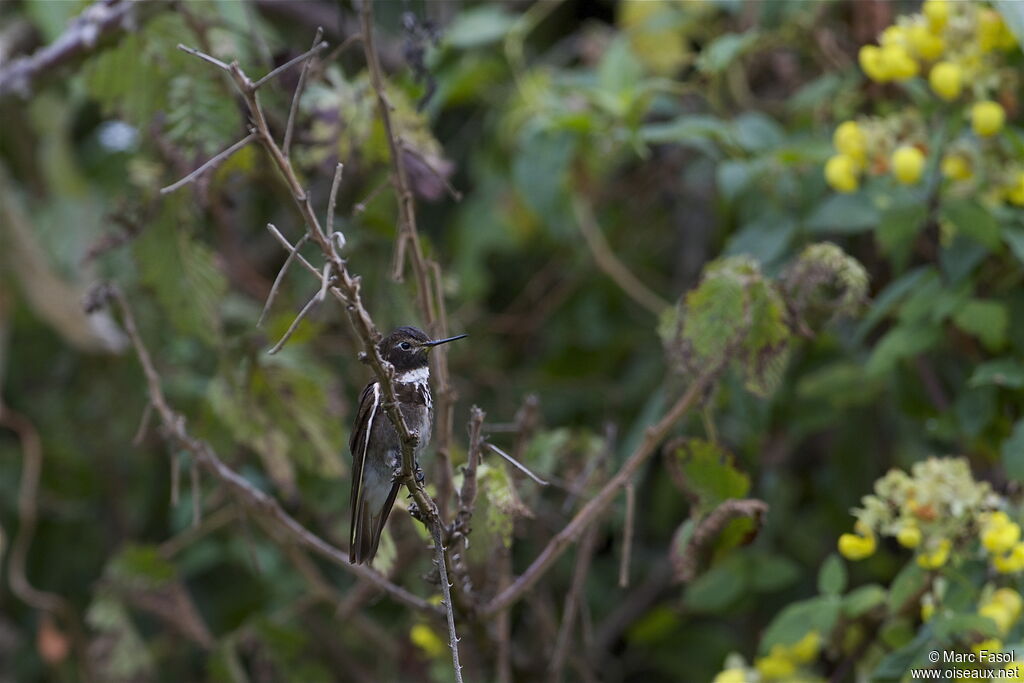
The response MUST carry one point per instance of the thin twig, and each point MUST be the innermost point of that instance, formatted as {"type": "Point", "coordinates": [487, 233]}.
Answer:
{"type": "Point", "coordinates": [197, 495]}
{"type": "Point", "coordinates": [175, 544]}
{"type": "Point", "coordinates": [584, 554]}
{"type": "Point", "coordinates": [467, 494]}
{"type": "Point", "coordinates": [290, 127]}
{"type": "Point", "coordinates": [175, 479]}
{"type": "Point", "coordinates": [515, 463]}
{"type": "Point", "coordinates": [333, 199]}
{"type": "Point", "coordinates": [361, 206]}
{"type": "Point", "coordinates": [686, 560]}
{"type": "Point", "coordinates": [455, 194]}
{"type": "Point", "coordinates": [446, 592]}
{"type": "Point", "coordinates": [627, 536]}
{"type": "Point", "coordinates": [610, 263]}
{"type": "Point", "coordinates": [213, 161]}
{"type": "Point", "coordinates": [140, 433]}
{"type": "Point", "coordinates": [313, 301]}
{"type": "Point", "coordinates": [280, 278]}
{"type": "Point", "coordinates": [174, 427]}
{"type": "Point", "coordinates": [205, 57]}
{"type": "Point", "coordinates": [291, 62]}
{"type": "Point", "coordinates": [445, 416]}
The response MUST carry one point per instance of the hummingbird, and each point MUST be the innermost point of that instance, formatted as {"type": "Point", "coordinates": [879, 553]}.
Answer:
{"type": "Point", "coordinates": [376, 450]}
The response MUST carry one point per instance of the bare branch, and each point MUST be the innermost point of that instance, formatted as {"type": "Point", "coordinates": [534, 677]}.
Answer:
{"type": "Point", "coordinates": [446, 591]}
{"type": "Point", "coordinates": [292, 251]}
{"type": "Point", "coordinates": [627, 535]}
{"type": "Point", "coordinates": [211, 163]}
{"type": "Point", "coordinates": [610, 263]}
{"type": "Point", "coordinates": [557, 545]}
{"type": "Point", "coordinates": [584, 554]}
{"type": "Point", "coordinates": [99, 24]}
{"type": "Point", "coordinates": [333, 199]}
{"type": "Point", "coordinates": [515, 463]}
{"type": "Point", "coordinates": [174, 427]}
{"type": "Point", "coordinates": [140, 433]}
{"type": "Point", "coordinates": [205, 57]}
{"type": "Point", "coordinates": [197, 495]}
{"type": "Point", "coordinates": [290, 127]}
{"type": "Point", "coordinates": [361, 206]}
{"type": "Point", "coordinates": [467, 495]}
{"type": "Point", "coordinates": [292, 62]}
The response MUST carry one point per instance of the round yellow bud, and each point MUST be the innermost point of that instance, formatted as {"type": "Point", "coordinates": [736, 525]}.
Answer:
{"type": "Point", "coordinates": [926, 44]}
{"type": "Point", "coordinates": [946, 79]}
{"type": "Point", "coordinates": [854, 547]}
{"type": "Point", "coordinates": [731, 676]}
{"type": "Point", "coordinates": [841, 173]}
{"type": "Point", "coordinates": [937, 557]}
{"type": "Point", "coordinates": [909, 536]}
{"type": "Point", "coordinates": [937, 13]}
{"type": "Point", "coordinates": [998, 613]}
{"type": "Point", "coordinates": [776, 666]}
{"type": "Point", "coordinates": [1015, 193]}
{"type": "Point", "coordinates": [987, 118]}
{"type": "Point", "coordinates": [849, 140]}
{"type": "Point", "coordinates": [806, 649]}
{"type": "Point", "coordinates": [1000, 537]}
{"type": "Point", "coordinates": [907, 164]}
{"type": "Point", "coordinates": [989, 30]}
{"type": "Point", "coordinates": [898, 63]}
{"type": "Point", "coordinates": [927, 611]}
{"type": "Point", "coordinates": [956, 167]}
{"type": "Point", "coordinates": [1010, 599]}
{"type": "Point", "coordinates": [893, 35]}
{"type": "Point", "coordinates": [870, 58]}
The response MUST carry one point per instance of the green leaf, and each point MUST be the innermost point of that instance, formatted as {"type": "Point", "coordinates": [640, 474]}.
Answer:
{"type": "Point", "coordinates": [862, 600]}
{"type": "Point", "coordinates": [503, 503]}
{"type": "Point", "coordinates": [908, 583]}
{"type": "Point", "coordinates": [1014, 237]}
{"type": "Point", "coordinates": [619, 70]}
{"type": "Point", "coordinates": [703, 132]}
{"type": "Point", "coordinates": [975, 408]}
{"type": "Point", "coordinates": [799, 618]}
{"type": "Point", "coordinates": [957, 626]}
{"type": "Point", "coordinates": [756, 132]}
{"type": "Point", "coordinates": [710, 473]}
{"type": "Point", "coordinates": [725, 49]}
{"type": "Point", "coordinates": [843, 214]}
{"type": "Point", "coordinates": [901, 342]}
{"type": "Point", "coordinates": [985, 319]}
{"type": "Point", "coordinates": [716, 589]}
{"type": "Point", "coordinates": [1001, 372]}
{"type": "Point", "coordinates": [1013, 452]}
{"type": "Point", "coordinates": [973, 220]}
{"type": "Point", "coordinates": [890, 297]}
{"type": "Point", "coordinates": [126, 657]}
{"type": "Point", "coordinates": [897, 228]}
{"type": "Point", "coordinates": [479, 26]}
{"type": "Point", "coordinates": [766, 238]}
{"type": "Point", "coordinates": [832, 576]}
{"type": "Point", "coordinates": [772, 572]}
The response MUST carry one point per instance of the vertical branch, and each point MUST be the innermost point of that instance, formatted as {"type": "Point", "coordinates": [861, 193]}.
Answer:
{"type": "Point", "coordinates": [627, 535]}
{"type": "Point", "coordinates": [445, 416]}
{"type": "Point", "coordinates": [446, 591]}
{"type": "Point", "coordinates": [584, 555]}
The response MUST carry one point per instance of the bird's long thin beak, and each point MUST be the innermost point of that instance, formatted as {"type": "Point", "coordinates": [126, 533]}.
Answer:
{"type": "Point", "coordinates": [437, 342]}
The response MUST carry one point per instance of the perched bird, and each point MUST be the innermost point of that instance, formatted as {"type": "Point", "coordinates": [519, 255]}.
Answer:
{"type": "Point", "coordinates": [376, 451]}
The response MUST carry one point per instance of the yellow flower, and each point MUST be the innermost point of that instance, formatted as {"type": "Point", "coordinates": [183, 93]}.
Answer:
{"type": "Point", "coordinates": [937, 13]}
{"type": "Point", "coordinates": [927, 611]}
{"type": "Point", "coordinates": [893, 35]}
{"type": "Point", "coordinates": [956, 167]}
{"type": "Point", "coordinates": [1015, 193]}
{"type": "Point", "coordinates": [849, 140]}
{"type": "Point", "coordinates": [946, 80]}
{"type": "Point", "coordinates": [999, 537]}
{"type": "Point", "coordinates": [989, 644]}
{"type": "Point", "coordinates": [898, 63]}
{"type": "Point", "coordinates": [841, 173]}
{"type": "Point", "coordinates": [937, 557]}
{"type": "Point", "coordinates": [1015, 671]}
{"type": "Point", "coordinates": [424, 637]}
{"type": "Point", "coordinates": [1012, 562]}
{"type": "Point", "coordinates": [776, 666]}
{"type": "Point", "coordinates": [909, 536]}
{"type": "Point", "coordinates": [856, 547]}
{"type": "Point", "coordinates": [870, 58]}
{"type": "Point", "coordinates": [1010, 599]}
{"type": "Point", "coordinates": [907, 164]}
{"type": "Point", "coordinates": [806, 649]}
{"type": "Point", "coordinates": [926, 44]}
{"type": "Point", "coordinates": [731, 676]}
{"type": "Point", "coordinates": [999, 614]}
{"type": "Point", "coordinates": [989, 31]}
{"type": "Point", "coordinates": [987, 118]}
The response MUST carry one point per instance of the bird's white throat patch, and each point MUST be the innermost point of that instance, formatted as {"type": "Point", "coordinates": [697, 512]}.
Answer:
{"type": "Point", "coordinates": [413, 376]}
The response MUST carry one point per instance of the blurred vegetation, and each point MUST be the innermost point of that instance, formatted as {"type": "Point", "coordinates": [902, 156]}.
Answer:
{"type": "Point", "coordinates": [695, 141]}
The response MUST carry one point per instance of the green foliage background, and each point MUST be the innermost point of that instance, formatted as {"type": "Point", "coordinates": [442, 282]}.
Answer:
{"type": "Point", "coordinates": [691, 130]}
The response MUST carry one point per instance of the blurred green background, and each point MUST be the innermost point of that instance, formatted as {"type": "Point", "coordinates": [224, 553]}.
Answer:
{"type": "Point", "coordinates": [686, 130]}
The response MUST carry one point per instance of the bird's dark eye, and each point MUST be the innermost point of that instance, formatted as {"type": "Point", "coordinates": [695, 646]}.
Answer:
{"type": "Point", "coordinates": [405, 346]}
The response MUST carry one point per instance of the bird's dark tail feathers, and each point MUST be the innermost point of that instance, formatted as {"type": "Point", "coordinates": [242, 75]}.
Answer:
{"type": "Point", "coordinates": [368, 529]}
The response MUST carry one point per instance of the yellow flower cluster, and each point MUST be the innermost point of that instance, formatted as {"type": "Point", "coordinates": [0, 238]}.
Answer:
{"type": "Point", "coordinates": [959, 47]}
{"type": "Point", "coordinates": [929, 510]}
{"type": "Point", "coordinates": [1000, 536]}
{"type": "Point", "coordinates": [1003, 607]}
{"type": "Point", "coordinates": [782, 663]}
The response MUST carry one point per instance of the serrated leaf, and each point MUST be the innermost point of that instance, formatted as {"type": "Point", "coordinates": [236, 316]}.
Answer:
{"type": "Point", "coordinates": [710, 473]}
{"type": "Point", "coordinates": [832, 576]}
